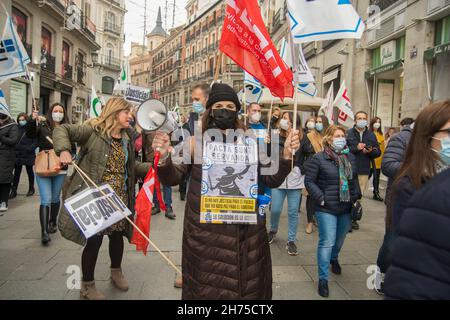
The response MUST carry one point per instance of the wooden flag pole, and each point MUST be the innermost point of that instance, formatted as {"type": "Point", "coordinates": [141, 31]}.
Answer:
{"type": "Point", "coordinates": [83, 174]}
{"type": "Point", "coordinates": [216, 73]}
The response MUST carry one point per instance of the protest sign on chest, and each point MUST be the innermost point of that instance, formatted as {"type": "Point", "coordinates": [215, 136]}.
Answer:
{"type": "Point", "coordinates": [94, 212]}
{"type": "Point", "coordinates": [229, 182]}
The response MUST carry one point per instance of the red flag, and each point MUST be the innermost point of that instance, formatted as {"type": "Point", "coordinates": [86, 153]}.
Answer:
{"type": "Point", "coordinates": [246, 41]}
{"type": "Point", "coordinates": [143, 209]}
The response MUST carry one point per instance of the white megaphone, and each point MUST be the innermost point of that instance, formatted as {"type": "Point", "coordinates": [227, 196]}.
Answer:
{"type": "Point", "coordinates": [151, 115]}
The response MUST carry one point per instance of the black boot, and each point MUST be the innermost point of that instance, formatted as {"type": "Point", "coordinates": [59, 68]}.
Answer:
{"type": "Point", "coordinates": [30, 191]}
{"type": "Point", "coordinates": [182, 196]}
{"type": "Point", "coordinates": [13, 193]}
{"type": "Point", "coordinates": [53, 218]}
{"type": "Point", "coordinates": [323, 288]}
{"type": "Point", "coordinates": [170, 214]}
{"type": "Point", "coordinates": [44, 215]}
{"type": "Point", "coordinates": [336, 267]}
{"type": "Point", "coordinates": [155, 210]}
{"type": "Point", "coordinates": [376, 196]}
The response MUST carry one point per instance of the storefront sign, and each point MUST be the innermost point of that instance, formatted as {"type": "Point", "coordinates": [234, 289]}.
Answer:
{"type": "Point", "coordinates": [389, 67]}
{"type": "Point", "coordinates": [387, 53]}
{"type": "Point", "coordinates": [18, 98]}
{"type": "Point", "coordinates": [385, 101]}
{"type": "Point", "coordinates": [430, 54]}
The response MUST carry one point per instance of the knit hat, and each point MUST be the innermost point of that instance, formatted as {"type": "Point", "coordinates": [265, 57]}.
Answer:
{"type": "Point", "coordinates": [222, 92]}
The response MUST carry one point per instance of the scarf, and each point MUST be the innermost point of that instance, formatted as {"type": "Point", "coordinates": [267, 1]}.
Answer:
{"type": "Point", "coordinates": [345, 171]}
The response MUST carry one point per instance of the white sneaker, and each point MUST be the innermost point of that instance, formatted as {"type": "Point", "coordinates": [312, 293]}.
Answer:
{"type": "Point", "coordinates": [3, 207]}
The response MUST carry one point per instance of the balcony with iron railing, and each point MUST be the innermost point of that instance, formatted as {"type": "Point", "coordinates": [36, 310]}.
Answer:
{"type": "Point", "coordinates": [81, 73]}
{"type": "Point", "coordinates": [78, 22]}
{"type": "Point", "coordinates": [111, 28]}
{"type": "Point", "coordinates": [109, 62]}
{"type": "Point", "coordinates": [48, 62]}
{"type": "Point", "coordinates": [67, 72]}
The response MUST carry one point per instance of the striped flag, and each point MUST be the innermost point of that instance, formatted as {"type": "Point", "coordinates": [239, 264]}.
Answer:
{"type": "Point", "coordinates": [342, 101]}
{"type": "Point", "coordinates": [143, 208]}
{"type": "Point", "coordinates": [13, 56]}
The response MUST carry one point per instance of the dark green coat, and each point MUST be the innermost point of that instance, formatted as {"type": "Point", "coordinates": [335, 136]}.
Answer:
{"type": "Point", "coordinates": [94, 153]}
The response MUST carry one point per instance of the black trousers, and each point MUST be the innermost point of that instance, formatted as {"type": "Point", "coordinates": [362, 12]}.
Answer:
{"type": "Point", "coordinates": [376, 180]}
{"type": "Point", "coordinates": [18, 171]}
{"type": "Point", "coordinates": [90, 253]}
{"type": "Point", "coordinates": [5, 188]}
{"type": "Point", "coordinates": [310, 208]}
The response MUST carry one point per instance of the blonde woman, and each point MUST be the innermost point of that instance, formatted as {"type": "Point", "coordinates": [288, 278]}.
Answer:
{"type": "Point", "coordinates": [107, 156]}
{"type": "Point", "coordinates": [332, 182]}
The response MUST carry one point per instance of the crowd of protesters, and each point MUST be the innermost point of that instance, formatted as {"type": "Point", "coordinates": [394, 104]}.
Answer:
{"type": "Point", "coordinates": [326, 164]}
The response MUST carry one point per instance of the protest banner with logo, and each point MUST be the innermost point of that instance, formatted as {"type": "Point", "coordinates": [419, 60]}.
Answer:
{"type": "Point", "coordinates": [94, 212]}
{"type": "Point", "coordinates": [229, 183]}
{"type": "Point", "coordinates": [136, 94]}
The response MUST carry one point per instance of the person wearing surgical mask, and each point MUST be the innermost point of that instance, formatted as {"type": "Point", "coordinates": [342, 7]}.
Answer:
{"type": "Point", "coordinates": [364, 145]}
{"type": "Point", "coordinates": [375, 168]}
{"type": "Point", "coordinates": [290, 189]}
{"type": "Point", "coordinates": [311, 144]}
{"type": "Point", "coordinates": [331, 180]}
{"type": "Point", "coordinates": [424, 233]}
{"type": "Point", "coordinates": [41, 128]}
{"type": "Point", "coordinates": [254, 120]}
{"type": "Point", "coordinates": [199, 97]}
{"type": "Point", "coordinates": [25, 156]}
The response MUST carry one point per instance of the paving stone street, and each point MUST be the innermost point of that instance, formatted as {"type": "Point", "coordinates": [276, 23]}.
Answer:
{"type": "Point", "coordinates": [30, 271]}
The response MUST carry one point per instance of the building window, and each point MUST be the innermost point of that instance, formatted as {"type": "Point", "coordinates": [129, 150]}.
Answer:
{"type": "Point", "coordinates": [107, 85]}
{"type": "Point", "coordinates": [442, 31]}
{"type": "Point", "coordinates": [46, 41]}
{"type": "Point", "coordinates": [238, 85]}
{"type": "Point", "coordinates": [66, 68]}
{"type": "Point", "coordinates": [21, 22]}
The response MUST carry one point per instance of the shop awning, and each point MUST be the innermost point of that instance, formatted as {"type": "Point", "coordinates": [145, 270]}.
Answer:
{"type": "Point", "coordinates": [388, 67]}
{"type": "Point", "coordinates": [430, 54]}
{"type": "Point", "coordinates": [305, 102]}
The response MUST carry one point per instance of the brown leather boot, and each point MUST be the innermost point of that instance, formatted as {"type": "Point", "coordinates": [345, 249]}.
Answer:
{"type": "Point", "coordinates": [89, 291]}
{"type": "Point", "coordinates": [118, 279]}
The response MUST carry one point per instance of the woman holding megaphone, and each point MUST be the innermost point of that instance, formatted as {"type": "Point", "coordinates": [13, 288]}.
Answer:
{"type": "Point", "coordinates": [222, 261]}
{"type": "Point", "coordinates": [107, 156]}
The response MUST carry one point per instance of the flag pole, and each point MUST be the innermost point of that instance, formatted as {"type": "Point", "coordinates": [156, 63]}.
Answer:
{"type": "Point", "coordinates": [83, 174]}
{"type": "Point", "coordinates": [270, 114]}
{"type": "Point", "coordinates": [244, 102]}
{"type": "Point", "coordinates": [33, 96]}
{"type": "Point", "coordinates": [294, 125]}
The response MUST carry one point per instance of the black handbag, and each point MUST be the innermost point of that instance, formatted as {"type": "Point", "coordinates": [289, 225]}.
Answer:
{"type": "Point", "coordinates": [357, 211]}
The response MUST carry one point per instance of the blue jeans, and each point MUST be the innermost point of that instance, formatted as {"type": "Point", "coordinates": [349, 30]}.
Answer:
{"type": "Point", "coordinates": [167, 196]}
{"type": "Point", "coordinates": [50, 188]}
{"type": "Point", "coordinates": [332, 232]}
{"type": "Point", "coordinates": [293, 198]}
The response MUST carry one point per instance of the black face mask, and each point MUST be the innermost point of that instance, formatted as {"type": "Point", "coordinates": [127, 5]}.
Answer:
{"type": "Point", "coordinates": [224, 118]}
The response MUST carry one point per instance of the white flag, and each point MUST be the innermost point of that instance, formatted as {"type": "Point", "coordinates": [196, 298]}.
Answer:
{"type": "Point", "coordinates": [302, 72]}
{"type": "Point", "coordinates": [327, 104]}
{"type": "Point", "coordinates": [307, 88]}
{"type": "Point", "coordinates": [13, 56]}
{"type": "Point", "coordinates": [342, 101]}
{"type": "Point", "coordinates": [122, 80]}
{"type": "Point", "coordinates": [96, 106]}
{"type": "Point", "coordinates": [3, 105]}
{"type": "Point", "coordinates": [253, 89]}
{"type": "Point", "coordinates": [323, 20]}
